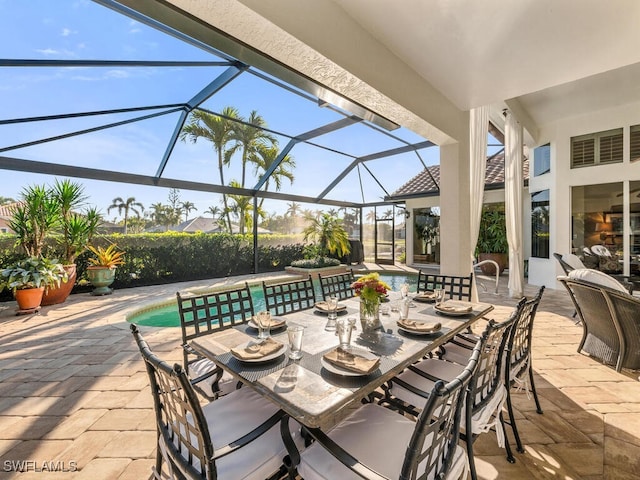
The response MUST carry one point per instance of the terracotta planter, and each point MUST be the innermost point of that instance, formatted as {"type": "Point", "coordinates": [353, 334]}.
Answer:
{"type": "Point", "coordinates": [101, 278]}
{"type": "Point", "coordinates": [29, 298]}
{"type": "Point", "coordinates": [502, 259]}
{"type": "Point", "coordinates": [54, 295]}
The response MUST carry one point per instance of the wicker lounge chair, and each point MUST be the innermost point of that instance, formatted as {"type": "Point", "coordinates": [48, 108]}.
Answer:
{"type": "Point", "coordinates": [610, 317]}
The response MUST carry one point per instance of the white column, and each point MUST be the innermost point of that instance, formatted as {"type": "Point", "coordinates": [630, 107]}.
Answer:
{"type": "Point", "coordinates": [455, 237]}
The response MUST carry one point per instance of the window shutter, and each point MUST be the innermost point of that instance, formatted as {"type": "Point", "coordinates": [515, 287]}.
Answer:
{"type": "Point", "coordinates": [611, 148]}
{"type": "Point", "coordinates": [583, 152]}
{"type": "Point", "coordinates": [634, 143]}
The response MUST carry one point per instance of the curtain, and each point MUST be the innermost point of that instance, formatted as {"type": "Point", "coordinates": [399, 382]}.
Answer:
{"type": "Point", "coordinates": [478, 130]}
{"type": "Point", "coordinates": [513, 203]}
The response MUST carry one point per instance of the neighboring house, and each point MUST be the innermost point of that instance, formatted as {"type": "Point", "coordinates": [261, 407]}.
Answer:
{"type": "Point", "coordinates": [207, 225]}
{"type": "Point", "coordinates": [6, 212]}
{"type": "Point", "coordinates": [422, 197]}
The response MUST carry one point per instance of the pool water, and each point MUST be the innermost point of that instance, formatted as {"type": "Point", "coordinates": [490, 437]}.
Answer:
{"type": "Point", "coordinates": [166, 315]}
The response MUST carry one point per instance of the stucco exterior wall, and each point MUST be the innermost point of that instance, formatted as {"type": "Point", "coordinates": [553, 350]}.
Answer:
{"type": "Point", "coordinates": [562, 178]}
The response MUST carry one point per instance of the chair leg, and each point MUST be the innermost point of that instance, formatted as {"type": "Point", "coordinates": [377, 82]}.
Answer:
{"type": "Point", "coordinates": [468, 439]}
{"type": "Point", "coordinates": [533, 390]}
{"type": "Point", "coordinates": [512, 422]}
{"type": "Point", "coordinates": [507, 446]}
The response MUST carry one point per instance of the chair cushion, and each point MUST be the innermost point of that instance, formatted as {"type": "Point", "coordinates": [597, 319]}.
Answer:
{"type": "Point", "coordinates": [233, 416]}
{"type": "Point", "coordinates": [226, 384]}
{"type": "Point", "coordinates": [573, 260]}
{"type": "Point", "coordinates": [599, 278]}
{"type": "Point", "coordinates": [366, 435]}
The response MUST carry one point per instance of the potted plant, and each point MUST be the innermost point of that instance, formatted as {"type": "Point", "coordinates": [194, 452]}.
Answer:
{"type": "Point", "coordinates": [102, 271]}
{"type": "Point", "coordinates": [45, 211]}
{"type": "Point", "coordinates": [28, 279]}
{"type": "Point", "coordinates": [492, 240]}
{"type": "Point", "coordinates": [74, 230]}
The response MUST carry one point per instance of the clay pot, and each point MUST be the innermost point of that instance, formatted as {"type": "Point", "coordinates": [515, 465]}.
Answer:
{"type": "Point", "coordinates": [54, 295]}
{"type": "Point", "coordinates": [29, 298]}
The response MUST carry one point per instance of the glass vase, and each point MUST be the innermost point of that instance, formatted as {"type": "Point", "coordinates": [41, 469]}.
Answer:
{"type": "Point", "coordinates": [370, 315]}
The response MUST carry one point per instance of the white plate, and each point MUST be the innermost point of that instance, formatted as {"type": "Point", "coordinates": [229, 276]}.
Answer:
{"type": "Point", "coordinates": [451, 313]}
{"type": "Point", "coordinates": [330, 367]}
{"type": "Point", "coordinates": [415, 332]}
{"type": "Point", "coordinates": [266, 358]}
{"type": "Point", "coordinates": [252, 323]}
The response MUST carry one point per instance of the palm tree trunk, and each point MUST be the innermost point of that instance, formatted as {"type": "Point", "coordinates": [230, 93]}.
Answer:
{"type": "Point", "coordinates": [224, 195]}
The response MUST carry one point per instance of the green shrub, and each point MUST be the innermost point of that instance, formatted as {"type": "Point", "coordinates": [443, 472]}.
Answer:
{"type": "Point", "coordinates": [160, 258]}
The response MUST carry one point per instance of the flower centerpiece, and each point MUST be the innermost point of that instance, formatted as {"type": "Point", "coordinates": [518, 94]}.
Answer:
{"type": "Point", "coordinates": [371, 291]}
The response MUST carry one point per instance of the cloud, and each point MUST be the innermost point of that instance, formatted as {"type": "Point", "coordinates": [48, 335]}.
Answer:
{"type": "Point", "coordinates": [134, 27]}
{"type": "Point", "coordinates": [49, 52]}
{"type": "Point", "coordinates": [67, 31]}
{"type": "Point", "coordinates": [117, 74]}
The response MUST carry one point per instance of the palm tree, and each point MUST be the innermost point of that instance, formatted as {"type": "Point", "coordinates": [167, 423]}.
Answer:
{"type": "Point", "coordinates": [329, 234]}
{"type": "Point", "coordinates": [242, 207]}
{"type": "Point", "coordinates": [213, 210]}
{"type": "Point", "coordinates": [265, 158]}
{"type": "Point", "coordinates": [217, 130]}
{"type": "Point", "coordinates": [248, 138]}
{"type": "Point", "coordinates": [371, 216]}
{"type": "Point", "coordinates": [186, 208]}
{"type": "Point", "coordinates": [159, 213]}
{"type": "Point", "coordinates": [293, 209]}
{"type": "Point", "coordinates": [125, 206]}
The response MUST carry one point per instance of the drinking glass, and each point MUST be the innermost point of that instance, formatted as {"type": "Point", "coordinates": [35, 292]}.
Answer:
{"type": "Point", "coordinates": [404, 308]}
{"type": "Point", "coordinates": [263, 319]}
{"type": "Point", "coordinates": [344, 329]}
{"type": "Point", "coordinates": [295, 333]}
{"type": "Point", "coordinates": [439, 292]}
{"type": "Point", "coordinates": [332, 305]}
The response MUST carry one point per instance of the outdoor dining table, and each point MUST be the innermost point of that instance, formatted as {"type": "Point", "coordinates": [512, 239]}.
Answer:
{"type": "Point", "coordinates": [308, 391]}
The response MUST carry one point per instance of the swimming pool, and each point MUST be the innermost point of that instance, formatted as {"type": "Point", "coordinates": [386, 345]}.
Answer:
{"type": "Point", "coordinates": [165, 314]}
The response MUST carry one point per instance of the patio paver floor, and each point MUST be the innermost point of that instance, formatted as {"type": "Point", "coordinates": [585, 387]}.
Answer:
{"type": "Point", "coordinates": [73, 389]}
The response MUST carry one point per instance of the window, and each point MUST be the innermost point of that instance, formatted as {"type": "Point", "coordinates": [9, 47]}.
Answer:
{"type": "Point", "coordinates": [634, 143]}
{"type": "Point", "coordinates": [596, 148]}
{"type": "Point", "coordinates": [542, 160]}
{"type": "Point", "coordinates": [540, 224]}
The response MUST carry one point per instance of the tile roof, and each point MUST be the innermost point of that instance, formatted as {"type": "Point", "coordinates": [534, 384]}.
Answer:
{"type": "Point", "coordinates": [6, 211]}
{"type": "Point", "coordinates": [426, 182]}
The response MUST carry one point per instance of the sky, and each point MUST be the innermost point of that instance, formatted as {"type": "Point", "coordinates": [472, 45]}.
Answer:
{"type": "Point", "coordinates": [83, 30]}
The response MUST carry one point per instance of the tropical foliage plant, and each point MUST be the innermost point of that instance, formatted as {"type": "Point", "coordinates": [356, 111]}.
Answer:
{"type": "Point", "coordinates": [109, 257]}
{"type": "Point", "coordinates": [329, 235]}
{"type": "Point", "coordinates": [492, 237]}
{"type": "Point", "coordinates": [32, 272]}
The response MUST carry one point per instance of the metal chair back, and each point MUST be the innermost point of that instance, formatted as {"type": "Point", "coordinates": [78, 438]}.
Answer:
{"type": "Point", "coordinates": [184, 439]}
{"type": "Point", "coordinates": [337, 285]}
{"type": "Point", "coordinates": [288, 297]}
{"type": "Point", "coordinates": [456, 287]}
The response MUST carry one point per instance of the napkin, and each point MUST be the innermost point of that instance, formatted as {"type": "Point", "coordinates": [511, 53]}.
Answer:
{"type": "Point", "coordinates": [351, 361]}
{"type": "Point", "coordinates": [325, 308]}
{"type": "Point", "coordinates": [417, 326]}
{"type": "Point", "coordinates": [255, 350]}
{"type": "Point", "coordinates": [448, 307]}
{"type": "Point", "coordinates": [425, 296]}
{"type": "Point", "coordinates": [275, 321]}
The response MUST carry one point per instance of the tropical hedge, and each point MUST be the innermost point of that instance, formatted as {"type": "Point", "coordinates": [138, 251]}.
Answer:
{"type": "Point", "coordinates": [160, 258]}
